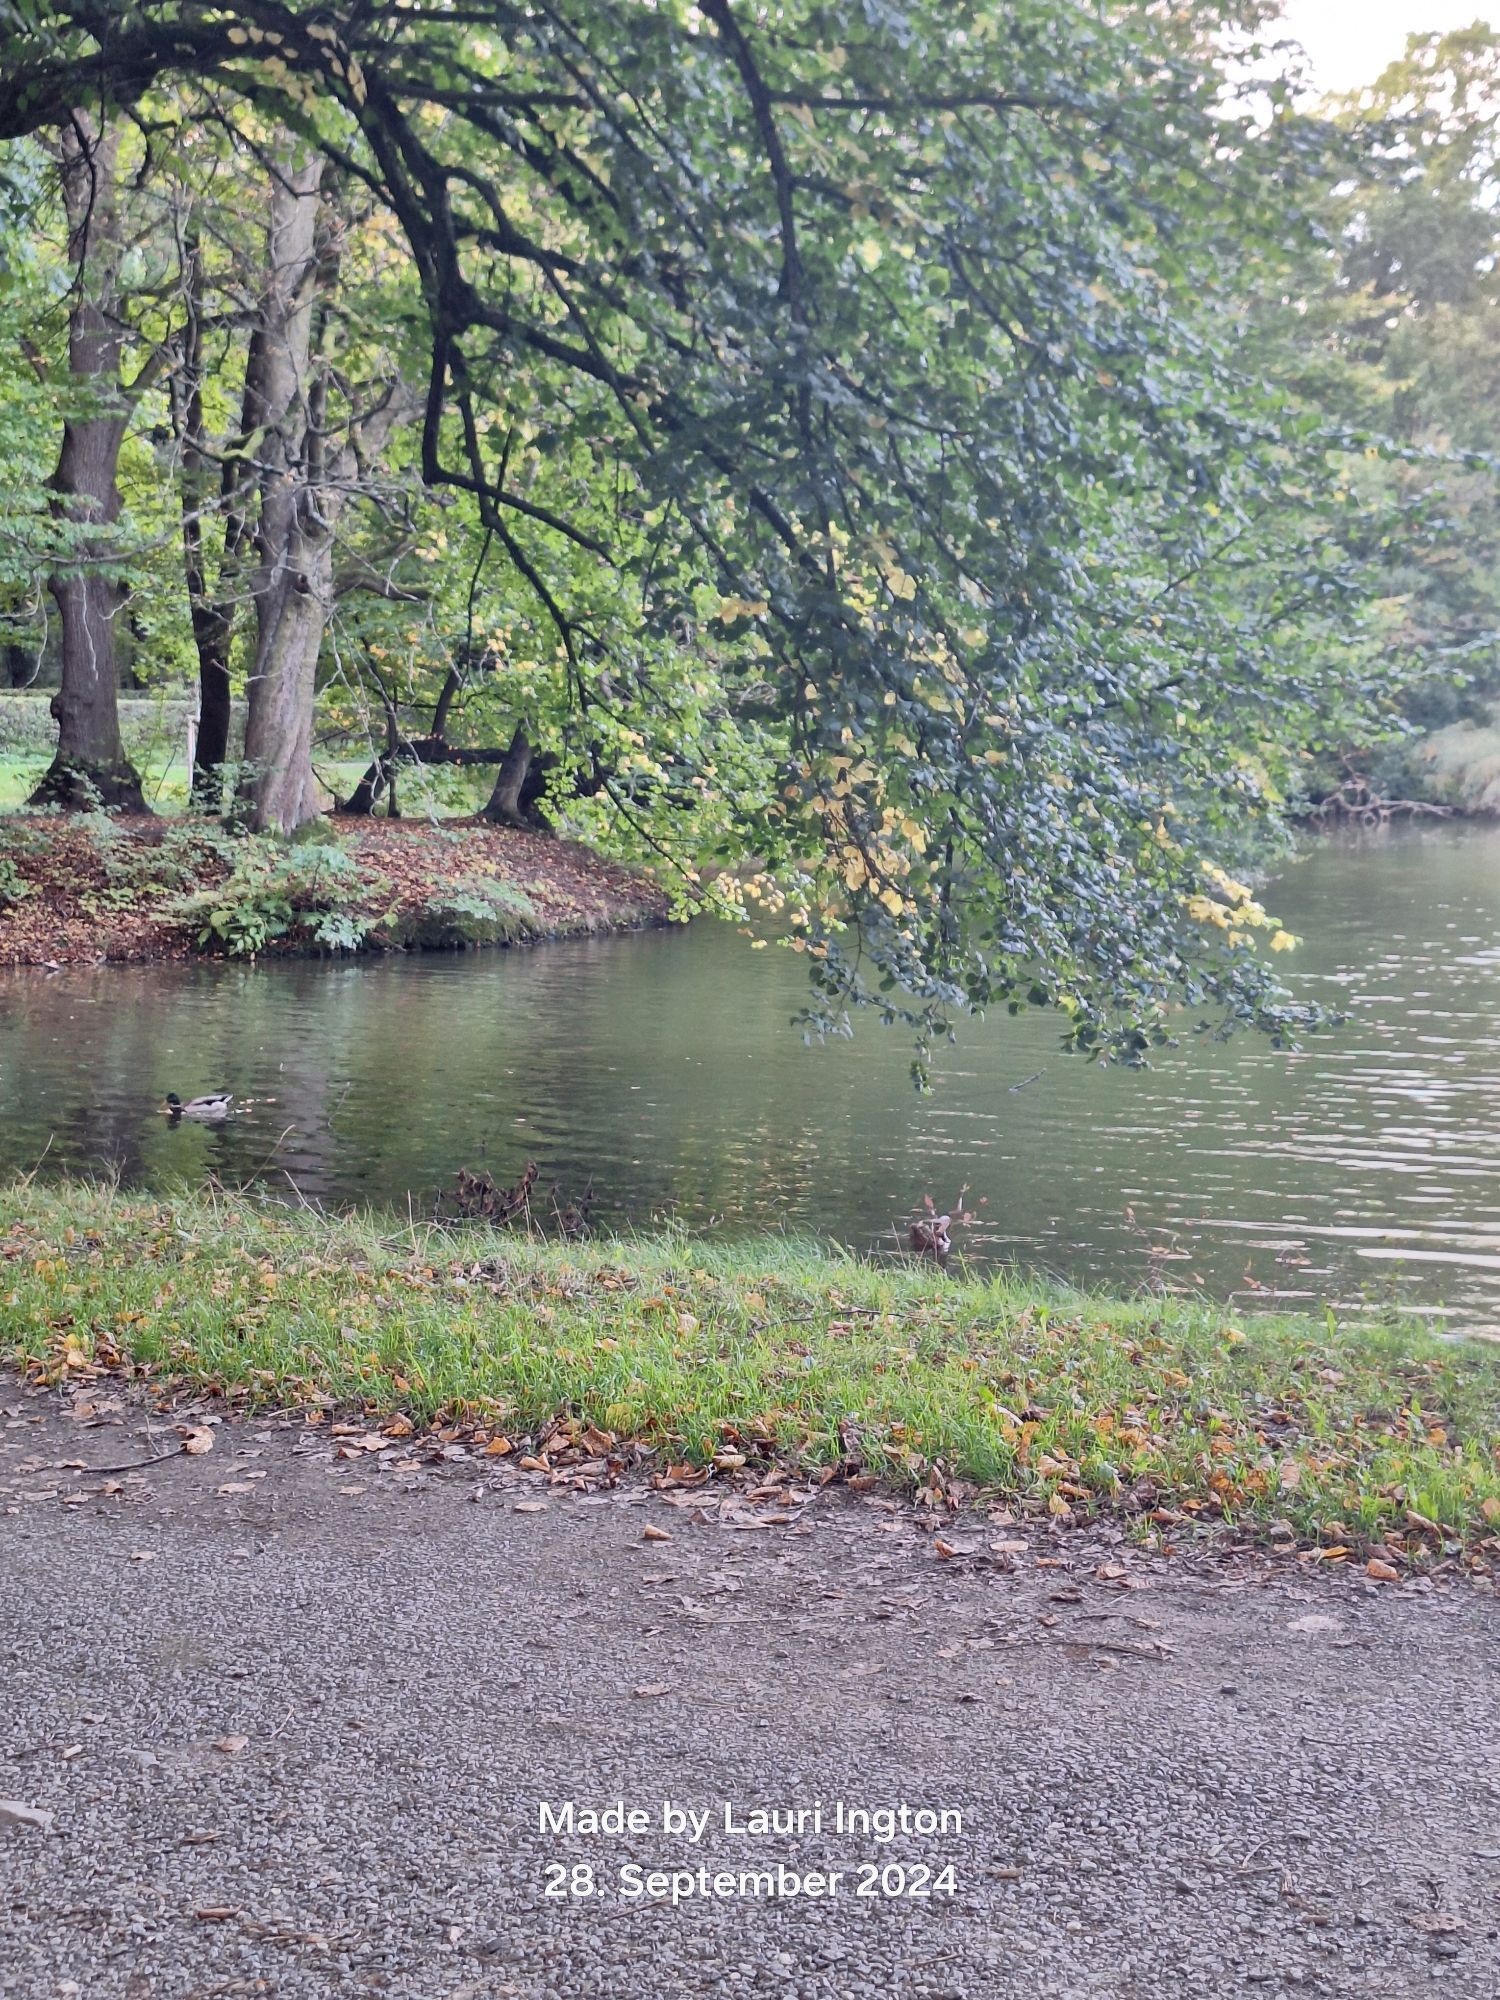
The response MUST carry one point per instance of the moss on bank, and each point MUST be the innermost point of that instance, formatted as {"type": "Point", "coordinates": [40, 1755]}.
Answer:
{"type": "Point", "coordinates": [710, 1352]}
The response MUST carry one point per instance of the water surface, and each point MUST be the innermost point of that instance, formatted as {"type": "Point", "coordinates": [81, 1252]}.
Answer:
{"type": "Point", "coordinates": [663, 1068]}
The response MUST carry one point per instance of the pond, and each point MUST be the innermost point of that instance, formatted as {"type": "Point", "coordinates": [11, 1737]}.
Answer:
{"type": "Point", "coordinates": [662, 1068]}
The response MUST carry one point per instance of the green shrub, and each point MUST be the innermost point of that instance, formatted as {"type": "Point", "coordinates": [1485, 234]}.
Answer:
{"type": "Point", "coordinates": [275, 889]}
{"type": "Point", "coordinates": [13, 884]}
{"type": "Point", "coordinates": [141, 868]}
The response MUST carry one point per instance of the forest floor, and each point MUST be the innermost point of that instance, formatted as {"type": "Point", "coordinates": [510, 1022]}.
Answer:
{"type": "Point", "coordinates": [84, 888]}
{"type": "Point", "coordinates": [278, 1716]}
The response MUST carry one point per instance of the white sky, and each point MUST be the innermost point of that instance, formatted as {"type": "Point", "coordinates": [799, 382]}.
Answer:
{"type": "Point", "coordinates": [1349, 42]}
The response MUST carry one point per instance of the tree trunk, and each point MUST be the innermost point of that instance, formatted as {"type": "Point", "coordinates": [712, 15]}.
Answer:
{"type": "Point", "coordinates": [505, 804]}
{"type": "Point", "coordinates": [90, 766]}
{"type": "Point", "coordinates": [212, 613]}
{"type": "Point", "coordinates": [292, 586]}
{"type": "Point", "coordinates": [304, 480]}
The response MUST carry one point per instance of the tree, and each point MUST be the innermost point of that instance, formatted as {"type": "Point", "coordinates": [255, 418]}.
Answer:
{"type": "Point", "coordinates": [912, 379]}
{"type": "Point", "coordinates": [90, 762]}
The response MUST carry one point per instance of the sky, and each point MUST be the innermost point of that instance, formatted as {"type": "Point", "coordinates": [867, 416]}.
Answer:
{"type": "Point", "coordinates": [1351, 41]}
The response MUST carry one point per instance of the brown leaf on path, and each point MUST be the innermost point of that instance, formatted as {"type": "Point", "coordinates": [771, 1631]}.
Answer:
{"type": "Point", "coordinates": [498, 1448]}
{"type": "Point", "coordinates": [529, 1507]}
{"type": "Point", "coordinates": [651, 1689]}
{"type": "Point", "coordinates": [236, 1486]}
{"type": "Point", "coordinates": [196, 1440]}
{"type": "Point", "coordinates": [200, 1837]}
{"type": "Point", "coordinates": [1383, 1572]}
{"type": "Point", "coordinates": [353, 1492]}
{"type": "Point", "coordinates": [651, 1533]}
{"type": "Point", "coordinates": [217, 1913]}
{"type": "Point", "coordinates": [231, 1746]}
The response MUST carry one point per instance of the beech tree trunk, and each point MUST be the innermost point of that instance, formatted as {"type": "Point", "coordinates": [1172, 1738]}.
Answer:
{"type": "Point", "coordinates": [304, 480]}
{"type": "Point", "coordinates": [292, 585]}
{"type": "Point", "coordinates": [211, 610]}
{"type": "Point", "coordinates": [90, 765]}
{"type": "Point", "coordinates": [505, 802]}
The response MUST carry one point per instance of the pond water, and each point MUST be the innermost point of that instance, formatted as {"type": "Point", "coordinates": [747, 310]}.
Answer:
{"type": "Point", "coordinates": [663, 1068]}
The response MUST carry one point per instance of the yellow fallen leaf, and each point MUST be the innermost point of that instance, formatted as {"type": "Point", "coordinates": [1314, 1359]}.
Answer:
{"type": "Point", "coordinates": [1383, 1572]}
{"type": "Point", "coordinates": [198, 1440]}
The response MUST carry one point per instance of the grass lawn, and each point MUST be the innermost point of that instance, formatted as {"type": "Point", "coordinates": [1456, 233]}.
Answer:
{"type": "Point", "coordinates": [166, 785]}
{"type": "Point", "coordinates": [1066, 1405]}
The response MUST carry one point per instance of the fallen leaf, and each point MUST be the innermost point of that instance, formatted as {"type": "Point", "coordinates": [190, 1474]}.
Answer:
{"type": "Point", "coordinates": [530, 1507]}
{"type": "Point", "coordinates": [1383, 1572]}
{"type": "Point", "coordinates": [218, 1913]}
{"type": "Point", "coordinates": [352, 1492]}
{"type": "Point", "coordinates": [236, 1486]}
{"type": "Point", "coordinates": [231, 1745]}
{"type": "Point", "coordinates": [652, 1688]}
{"type": "Point", "coordinates": [651, 1533]}
{"type": "Point", "coordinates": [197, 1440]}
{"type": "Point", "coordinates": [498, 1447]}
{"type": "Point", "coordinates": [13, 1813]}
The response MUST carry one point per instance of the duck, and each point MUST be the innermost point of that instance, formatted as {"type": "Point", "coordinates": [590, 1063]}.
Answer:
{"type": "Point", "coordinates": [215, 1105]}
{"type": "Point", "coordinates": [928, 1237]}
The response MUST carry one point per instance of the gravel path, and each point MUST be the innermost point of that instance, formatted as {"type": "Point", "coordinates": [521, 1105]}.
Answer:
{"type": "Point", "coordinates": [294, 1716]}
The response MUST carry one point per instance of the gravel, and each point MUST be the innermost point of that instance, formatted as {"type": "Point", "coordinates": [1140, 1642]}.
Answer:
{"type": "Point", "coordinates": [1190, 1779]}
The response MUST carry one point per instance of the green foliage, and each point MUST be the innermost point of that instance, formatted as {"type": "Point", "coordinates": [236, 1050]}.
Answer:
{"type": "Point", "coordinates": [275, 889]}
{"type": "Point", "coordinates": [852, 439]}
{"type": "Point", "coordinates": [1401, 338]}
{"type": "Point", "coordinates": [139, 868]}
{"type": "Point", "coordinates": [13, 884]}
{"type": "Point", "coordinates": [475, 910]}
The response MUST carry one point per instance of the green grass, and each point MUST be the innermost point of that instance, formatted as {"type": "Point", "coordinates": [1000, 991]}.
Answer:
{"type": "Point", "coordinates": [1064, 1404]}
{"type": "Point", "coordinates": [166, 785]}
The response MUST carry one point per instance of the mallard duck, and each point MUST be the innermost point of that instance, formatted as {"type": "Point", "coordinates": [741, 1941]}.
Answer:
{"type": "Point", "coordinates": [215, 1105]}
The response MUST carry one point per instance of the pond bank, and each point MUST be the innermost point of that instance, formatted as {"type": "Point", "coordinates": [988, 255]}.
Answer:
{"type": "Point", "coordinates": [134, 888]}
{"type": "Point", "coordinates": [766, 1360]}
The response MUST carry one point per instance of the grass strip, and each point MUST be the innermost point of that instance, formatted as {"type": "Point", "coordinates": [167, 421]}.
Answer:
{"type": "Point", "coordinates": [1065, 1404]}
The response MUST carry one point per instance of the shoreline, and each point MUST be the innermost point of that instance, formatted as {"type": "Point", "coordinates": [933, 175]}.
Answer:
{"type": "Point", "coordinates": [129, 889]}
{"type": "Point", "coordinates": [770, 1369]}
